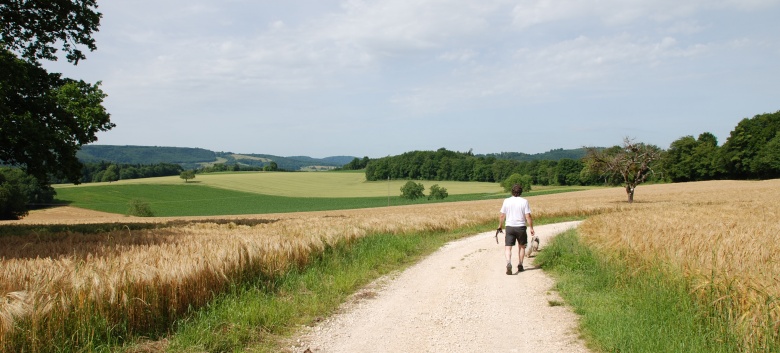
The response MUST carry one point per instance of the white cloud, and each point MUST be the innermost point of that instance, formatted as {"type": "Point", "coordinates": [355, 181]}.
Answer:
{"type": "Point", "coordinates": [622, 12]}
{"type": "Point", "coordinates": [547, 72]}
{"type": "Point", "coordinates": [382, 61]}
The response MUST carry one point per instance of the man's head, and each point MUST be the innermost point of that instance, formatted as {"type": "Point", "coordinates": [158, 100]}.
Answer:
{"type": "Point", "coordinates": [517, 190]}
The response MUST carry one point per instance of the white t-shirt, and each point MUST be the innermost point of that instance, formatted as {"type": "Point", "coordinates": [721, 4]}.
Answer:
{"type": "Point", "coordinates": [515, 208]}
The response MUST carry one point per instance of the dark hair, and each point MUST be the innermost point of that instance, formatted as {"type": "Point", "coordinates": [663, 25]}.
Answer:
{"type": "Point", "coordinates": [517, 190]}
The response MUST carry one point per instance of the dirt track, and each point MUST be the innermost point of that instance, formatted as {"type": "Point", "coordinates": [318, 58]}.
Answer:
{"type": "Point", "coordinates": [457, 300]}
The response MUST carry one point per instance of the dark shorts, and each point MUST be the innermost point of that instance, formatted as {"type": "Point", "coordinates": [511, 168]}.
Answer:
{"type": "Point", "coordinates": [516, 234]}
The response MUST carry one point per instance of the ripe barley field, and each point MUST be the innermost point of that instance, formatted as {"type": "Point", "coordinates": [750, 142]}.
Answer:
{"type": "Point", "coordinates": [87, 288]}
{"type": "Point", "coordinates": [724, 237]}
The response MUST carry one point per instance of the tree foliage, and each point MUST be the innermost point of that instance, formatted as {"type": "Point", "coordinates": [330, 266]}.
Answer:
{"type": "Point", "coordinates": [20, 192]}
{"type": "Point", "coordinates": [356, 164]}
{"type": "Point", "coordinates": [145, 154]}
{"type": "Point", "coordinates": [632, 163]}
{"type": "Point", "coordinates": [13, 204]}
{"type": "Point", "coordinates": [522, 180]}
{"type": "Point", "coordinates": [94, 172]}
{"type": "Point", "coordinates": [767, 161]}
{"type": "Point", "coordinates": [33, 28]}
{"type": "Point", "coordinates": [187, 175]}
{"type": "Point", "coordinates": [751, 149]}
{"type": "Point", "coordinates": [271, 167]}
{"type": "Point", "coordinates": [458, 166]}
{"type": "Point", "coordinates": [412, 190]}
{"type": "Point", "coordinates": [689, 159]}
{"type": "Point", "coordinates": [437, 192]}
{"type": "Point", "coordinates": [45, 118]}
{"type": "Point", "coordinates": [551, 155]}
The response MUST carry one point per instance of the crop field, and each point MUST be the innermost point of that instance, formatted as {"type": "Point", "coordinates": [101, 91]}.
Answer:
{"type": "Point", "coordinates": [305, 184]}
{"type": "Point", "coordinates": [170, 200]}
{"type": "Point", "coordinates": [723, 236]}
{"type": "Point", "coordinates": [263, 192]}
{"type": "Point", "coordinates": [82, 287]}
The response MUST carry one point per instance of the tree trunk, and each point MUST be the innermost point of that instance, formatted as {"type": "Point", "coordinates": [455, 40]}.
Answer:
{"type": "Point", "coordinates": [630, 192]}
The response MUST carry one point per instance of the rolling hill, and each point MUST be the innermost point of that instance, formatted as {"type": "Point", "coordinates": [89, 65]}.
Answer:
{"type": "Point", "coordinates": [190, 158]}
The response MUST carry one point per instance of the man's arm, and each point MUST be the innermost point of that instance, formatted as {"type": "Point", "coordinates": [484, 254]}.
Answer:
{"type": "Point", "coordinates": [501, 220]}
{"type": "Point", "coordinates": [529, 221]}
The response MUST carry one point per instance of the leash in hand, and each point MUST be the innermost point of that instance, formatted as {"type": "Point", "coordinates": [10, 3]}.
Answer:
{"type": "Point", "coordinates": [499, 230]}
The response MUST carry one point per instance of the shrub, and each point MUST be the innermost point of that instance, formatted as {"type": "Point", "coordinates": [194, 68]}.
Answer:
{"type": "Point", "coordinates": [20, 191]}
{"type": "Point", "coordinates": [412, 190]}
{"type": "Point", "coordinates": [12, 200]}
{"type": "Point", "coordinates": [437, 192]}
{"type": "Point", "coordinates": [140, 208]}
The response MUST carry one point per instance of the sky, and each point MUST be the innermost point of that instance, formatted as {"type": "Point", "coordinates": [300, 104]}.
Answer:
{"type": "Point", "coordinates": [378, 78]}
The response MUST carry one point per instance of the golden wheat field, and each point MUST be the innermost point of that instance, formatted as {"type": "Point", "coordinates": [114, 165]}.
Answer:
{"type": "Point", "coordinates": [724, 234]}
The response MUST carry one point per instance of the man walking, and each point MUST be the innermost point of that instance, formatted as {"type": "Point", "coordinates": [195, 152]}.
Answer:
{"type": "Point", "coordinates": [516, 211]}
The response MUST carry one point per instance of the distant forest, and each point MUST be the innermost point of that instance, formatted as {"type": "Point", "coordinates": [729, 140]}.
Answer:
{"type": "Point", "coordinates": [464, 166]}
{"type": "Point", "coordinates": [752, 151]}
{"type": "Point", "coordinates": [110, 163]}
{"type": "Point", "coordinates": [146, 155]}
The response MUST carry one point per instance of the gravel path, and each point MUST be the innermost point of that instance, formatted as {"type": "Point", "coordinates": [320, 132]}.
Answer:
{"type": "Point", "coordinates": [459, 299]}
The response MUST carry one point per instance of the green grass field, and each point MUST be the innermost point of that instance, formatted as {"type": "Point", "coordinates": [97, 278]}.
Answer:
{"type": "Point", "coordinates": [199, 200]}
{"type": "Point", "coordinates": [263, 192]}
{"type": "Point", "coordinates": [304, 184]}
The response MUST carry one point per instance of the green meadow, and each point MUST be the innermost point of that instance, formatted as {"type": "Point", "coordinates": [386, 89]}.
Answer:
{"type": "Point", "coordinates": [263, 192]}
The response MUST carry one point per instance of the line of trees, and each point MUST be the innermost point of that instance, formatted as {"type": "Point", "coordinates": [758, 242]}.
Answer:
{"type": "Point", "coordinates": [356, 164]}
{"type": "Point", "coordinates": [752, 151]}
{"type": "Point", "coordinates": [464, 166]}
{"type": "Point", "coordinates": [107, 172]}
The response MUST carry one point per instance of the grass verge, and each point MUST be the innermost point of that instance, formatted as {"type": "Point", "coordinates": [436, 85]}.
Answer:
{"type": "Point", "coordinates": [623, 308]}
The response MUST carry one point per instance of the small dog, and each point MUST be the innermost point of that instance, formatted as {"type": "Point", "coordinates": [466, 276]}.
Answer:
{"type": "Point", "coordinates": [532, 247]}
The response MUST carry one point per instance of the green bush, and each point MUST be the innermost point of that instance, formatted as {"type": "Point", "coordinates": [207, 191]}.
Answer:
{"type": "Point", "coordinates": [140, 208]}
{"type": "Point", "coordinates": [12, 200]}
{"type": "Point", "coordinates": [412, 190]}
{"type": "Point", "coordinates": [437, 192]}
{"type": "Point", "coordinates": [19, 192]}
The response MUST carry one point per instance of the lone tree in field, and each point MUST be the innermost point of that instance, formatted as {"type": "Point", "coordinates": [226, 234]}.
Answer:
{"type": "Point", "coordinates": [187, 175]}
{"type": "Point", "coordinates": [633, 163]}
{"type": "Point", "coordinates": [44, 117]}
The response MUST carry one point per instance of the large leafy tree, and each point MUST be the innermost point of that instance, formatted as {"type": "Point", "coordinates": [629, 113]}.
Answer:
{"type": "Point", "coordinates": [689, 159]}
{"type": "Point", "coordinates": [632, 163]}
{"type": "Point", "coordinates": [45, 118]}
{"type": "Point", "coordinates": [751, 150]}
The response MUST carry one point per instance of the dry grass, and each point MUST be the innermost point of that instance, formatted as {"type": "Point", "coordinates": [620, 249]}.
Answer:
{"type": "Point", "coordinates": [143, 280]}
